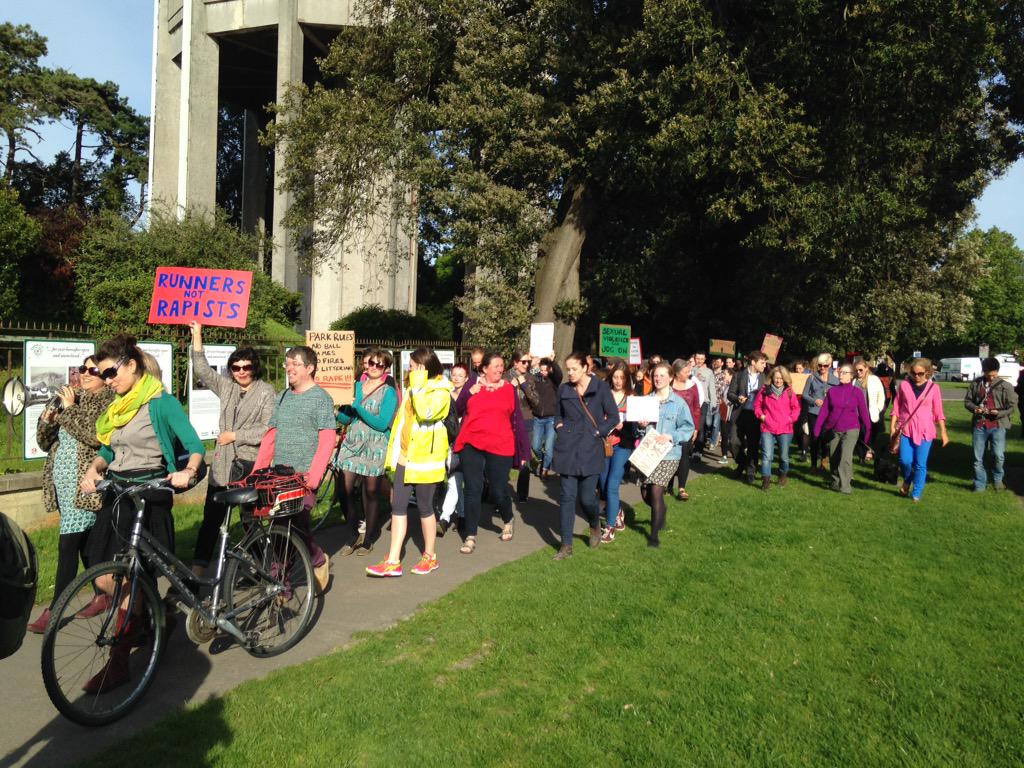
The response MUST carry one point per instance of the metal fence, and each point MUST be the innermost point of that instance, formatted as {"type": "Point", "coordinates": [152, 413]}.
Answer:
{"type": "Point", "coordinates": [271, 351]}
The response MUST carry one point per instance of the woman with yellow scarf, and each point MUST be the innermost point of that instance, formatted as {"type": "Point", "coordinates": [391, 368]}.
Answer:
{"type": "Point", "coordinates": [140, 434]}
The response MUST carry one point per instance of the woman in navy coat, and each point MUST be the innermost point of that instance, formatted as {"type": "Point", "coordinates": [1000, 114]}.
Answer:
{"type": "Point", "coordinates": [586, 413]}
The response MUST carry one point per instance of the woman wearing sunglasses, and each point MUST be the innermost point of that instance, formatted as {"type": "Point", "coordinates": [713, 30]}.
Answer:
{"type": "Point", "coordinates": [362, 452]}
{"type": "Point", "coordinates": [916, 410]}
{"type": "Point", "coordinates": [246, 405]}
{"type": "Point", "coordinates": [67, 432]}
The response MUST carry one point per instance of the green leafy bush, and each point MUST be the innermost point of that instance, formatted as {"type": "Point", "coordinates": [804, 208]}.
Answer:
{"type": "Point", "coordinates": [371, 321]}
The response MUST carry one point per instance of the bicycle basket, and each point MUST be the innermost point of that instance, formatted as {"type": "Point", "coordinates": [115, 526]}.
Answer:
{"type": "Point", "coordinates": [279, 496]}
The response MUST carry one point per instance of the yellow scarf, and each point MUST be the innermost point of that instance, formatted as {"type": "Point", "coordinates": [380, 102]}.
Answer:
{"type": "Point", "coordinates": [125, 406]}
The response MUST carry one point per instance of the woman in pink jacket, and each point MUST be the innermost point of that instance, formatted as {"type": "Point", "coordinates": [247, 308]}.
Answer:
{"type": "Point", "coordinates": [777, 407]}
{"type": "Point", "coordinates": [916, 409]}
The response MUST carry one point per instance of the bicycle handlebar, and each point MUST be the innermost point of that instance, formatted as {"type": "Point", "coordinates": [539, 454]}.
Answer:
{"type": "Point", "coordinates": [134, 489]}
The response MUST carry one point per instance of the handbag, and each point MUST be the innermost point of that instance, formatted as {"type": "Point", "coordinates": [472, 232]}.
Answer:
{"type": "Point", "coordinates": [609, 445]}
{"type": "Point", "coordinates": [894, 438]}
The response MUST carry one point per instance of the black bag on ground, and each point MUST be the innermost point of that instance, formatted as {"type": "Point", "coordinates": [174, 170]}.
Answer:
{"type": "Point", "coordinates": [18, 581]}
{"type": "Point", "coordinates": [886, 469]}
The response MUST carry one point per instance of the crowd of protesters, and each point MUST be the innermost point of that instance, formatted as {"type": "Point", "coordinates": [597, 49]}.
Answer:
{"type": "Point", "coordinates": [449, 442]}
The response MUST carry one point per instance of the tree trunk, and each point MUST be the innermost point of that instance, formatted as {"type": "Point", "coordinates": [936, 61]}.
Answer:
{"type": "Point", "coordinates": [76, 169]}
{"type": "Point", "coordinates": [558, 276]}
{"type": "Point", "coordinates": [12, 146]}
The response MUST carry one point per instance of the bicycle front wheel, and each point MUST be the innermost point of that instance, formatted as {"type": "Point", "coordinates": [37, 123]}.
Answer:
{"type": "Point", "coordinates": [97, 662]}
{"type": "Point", "coordinates": [270, 589]}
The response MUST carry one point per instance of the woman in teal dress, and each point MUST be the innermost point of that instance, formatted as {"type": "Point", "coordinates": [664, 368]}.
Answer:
{"type": "Point", "coordinates": [363, 449]}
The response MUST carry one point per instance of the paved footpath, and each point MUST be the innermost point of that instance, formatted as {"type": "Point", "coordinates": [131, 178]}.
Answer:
{"type": "Point", "coordinates": [34, 734]}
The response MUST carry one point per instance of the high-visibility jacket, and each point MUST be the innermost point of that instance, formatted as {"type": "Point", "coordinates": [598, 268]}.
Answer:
{"type": "Point", "coordinates": [420, 420]}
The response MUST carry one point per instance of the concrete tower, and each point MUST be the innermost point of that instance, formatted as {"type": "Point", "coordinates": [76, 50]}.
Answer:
{"type": "Point", "coordinates": [233, 57]}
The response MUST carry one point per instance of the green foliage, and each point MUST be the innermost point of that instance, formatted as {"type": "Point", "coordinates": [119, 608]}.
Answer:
{"type": "Point", "coordinates": [496, 312]}
{"type": "Point", "coordinates": [116, 266]}
{"type": "Point", "coordinates": [371, 321]}
{"type": "Point", "coordinates": [18, 237]}
{"type": "Point", "coordinates": [815, 162]}
{"type": "Point", "coordinates": [997, 316]}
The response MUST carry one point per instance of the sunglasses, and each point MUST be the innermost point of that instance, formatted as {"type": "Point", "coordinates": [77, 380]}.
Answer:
{"type": "Point", "coordinates": [235, 368]}
{"type": "Point", "coordinates": [525, 360]}
{"type": "Point", "coordinates": [917, 373]}
{"type": "Point", "coordinates": [111, 372]}
{"type": "Point", "coordinates": [92, 370]}
{"type": "Point", "coordinates": [376, 364]}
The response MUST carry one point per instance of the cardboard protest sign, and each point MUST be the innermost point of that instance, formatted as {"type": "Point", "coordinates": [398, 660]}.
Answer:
{"type": "Point", "coordinates": [209, 296]}
{"type": "Point", "coordinates": [336, 363]}
{"type": "Point", "coordinates": [721, 347]}
{"type": "Point", "coordinates": [636, 355]}
{"type": "Point", "coordinates": [542, 339]}
{"type": "Point", "coordinates": [770, 347]}
{"type": "Point", "coordinates": [613, 340]}
{"type": "Point", "coordinates": [799, 382]}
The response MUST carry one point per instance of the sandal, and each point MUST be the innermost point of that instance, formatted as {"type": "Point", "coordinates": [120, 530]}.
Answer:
{"type": "Point", "coordinates": [468, 545]}
{"type": "Point", "coordinates": [507, 532]}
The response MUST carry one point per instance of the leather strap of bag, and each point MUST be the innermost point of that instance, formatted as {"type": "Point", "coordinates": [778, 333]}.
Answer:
{"type": "Point", "coordinates": [588, 413]}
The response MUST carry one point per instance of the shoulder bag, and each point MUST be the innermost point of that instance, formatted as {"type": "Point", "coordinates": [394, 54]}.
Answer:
{"type": "Point", "coordinates": [609, 446]}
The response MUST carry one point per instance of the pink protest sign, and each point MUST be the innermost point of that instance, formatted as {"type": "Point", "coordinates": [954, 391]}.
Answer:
{"type": "Point", "coordinates": [208, 296]}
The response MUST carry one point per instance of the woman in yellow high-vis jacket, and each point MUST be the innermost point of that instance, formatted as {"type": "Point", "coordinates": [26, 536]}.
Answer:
{"type": "Point", "coordinates": [417, 452]}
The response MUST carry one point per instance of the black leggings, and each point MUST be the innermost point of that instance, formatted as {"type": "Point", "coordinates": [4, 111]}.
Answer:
{"type": "Point", "coordinates": [371, 504]}
{"type": "Point", "coordinates": [70, 548]}
{"type": "Point", "coordinates": [475, 464]}
{"type": "Point", "coordinates": [209, 529]}
{"type": "Point", "coordinates": [654, 495]}
{"type": "Point", "coordinates": [401, 492]}
{"type": "Point", "coordinates": [683, 473]}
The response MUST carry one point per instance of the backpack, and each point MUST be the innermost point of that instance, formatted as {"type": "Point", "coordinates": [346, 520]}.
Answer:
{"type": "Point", "coordinates": [451, 422]}
{"type": "Point", "coordinates": [18, 581]}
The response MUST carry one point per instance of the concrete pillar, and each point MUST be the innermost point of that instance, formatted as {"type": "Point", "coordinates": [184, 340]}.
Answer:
{"type": "Point", "coordinates": [197, 131]}
{"type": "Point", "coordinates": [284, 267]}
{"type": "Point", "coordinates": [166, 94]}
{"type": "Point", "coordinates": [254, 180]}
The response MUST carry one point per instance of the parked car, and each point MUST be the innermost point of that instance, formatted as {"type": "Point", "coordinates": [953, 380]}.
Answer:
{"type": "Point", "coordinates": [959, 369]}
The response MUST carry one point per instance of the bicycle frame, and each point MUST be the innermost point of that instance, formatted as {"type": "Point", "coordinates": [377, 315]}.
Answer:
{"type": "Point", "coordinates": [143, 547]}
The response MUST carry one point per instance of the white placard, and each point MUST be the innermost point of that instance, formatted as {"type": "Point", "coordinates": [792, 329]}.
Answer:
{"type": "Point", "coordinates": [642, 408]}
{"type": "Point", "coordinates": [542, 339]}
{"type": "Point", "coordinates": [204, 405]}
{"type": "Point", "coordinates": [447, 359]}
{"type": "Point", "coordinates": [648, 453]}
{"type": "Point", "coordinates": [49, 365]}
{"type": "Point", "coordinates": [164, 354]}
{"type": "Point", "coordinates": [636, 355]}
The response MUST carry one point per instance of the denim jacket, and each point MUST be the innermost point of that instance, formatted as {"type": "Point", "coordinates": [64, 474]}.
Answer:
{"type": "Point", "coordinates": [674, 419]}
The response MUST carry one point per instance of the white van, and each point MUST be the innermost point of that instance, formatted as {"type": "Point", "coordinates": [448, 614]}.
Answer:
{"type": "Point", "coordinates": [959, 369]}
{"type": "Point", "coordinates": [1009, 368]}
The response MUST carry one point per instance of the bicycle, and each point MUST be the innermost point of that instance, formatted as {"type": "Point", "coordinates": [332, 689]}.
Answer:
{"type": "Point", "coordinates": [262, 596]}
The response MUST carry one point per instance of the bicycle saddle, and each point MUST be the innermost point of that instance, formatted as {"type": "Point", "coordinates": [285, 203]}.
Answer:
{"type": "Point", "coordinates": [234, 497]}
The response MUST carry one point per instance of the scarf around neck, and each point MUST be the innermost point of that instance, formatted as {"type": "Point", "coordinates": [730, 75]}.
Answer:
{"type": "Point", "coordinates": [125, 406]}
{"type": "Point", "coordinates": [777, 391]}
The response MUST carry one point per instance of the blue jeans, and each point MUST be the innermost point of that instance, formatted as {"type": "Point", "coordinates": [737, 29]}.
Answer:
{"type": "Point", "coordinates": [768, 449]}
{"type": "Point", "coordinates": [583, 487]}
{"type": "Point", "coordinates": [914, 463]}
{"type": "Point", "coordinates": [714, 425]}
{"type": "Point", "coordinates": [981, 438]}
{"type": "Point", "coordinates": [611, 479]}
{"type": "Point", "coordinates": [543, 440]}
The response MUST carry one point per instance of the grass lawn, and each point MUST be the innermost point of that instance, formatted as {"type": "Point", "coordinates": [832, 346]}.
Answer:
{"type": "Point", "coordinates": [797, 627]}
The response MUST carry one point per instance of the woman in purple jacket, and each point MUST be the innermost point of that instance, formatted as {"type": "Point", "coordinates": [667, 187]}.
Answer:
{"type": "Point", "coordinates": [844, 413]}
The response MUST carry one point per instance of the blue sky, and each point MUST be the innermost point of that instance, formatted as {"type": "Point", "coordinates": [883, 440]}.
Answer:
{"type": "Point", "coordinates": [113, 40]}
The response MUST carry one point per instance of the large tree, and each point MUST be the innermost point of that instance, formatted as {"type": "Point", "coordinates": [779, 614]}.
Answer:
{"type": "Point", "coordinates": [708, 168]}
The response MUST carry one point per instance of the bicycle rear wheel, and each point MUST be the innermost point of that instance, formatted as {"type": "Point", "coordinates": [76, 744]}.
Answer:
{"type": "Point", "coordinates": [270, 583]}
{"type": "Point", "coordinates": [95, 669]}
